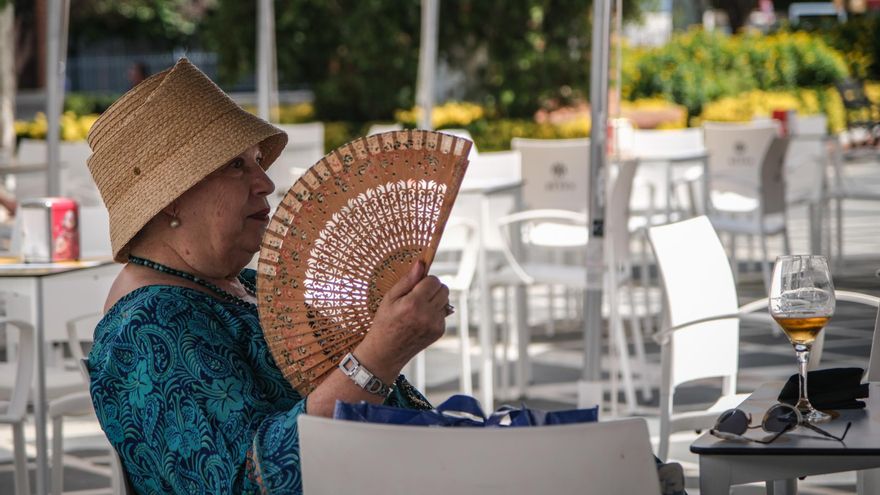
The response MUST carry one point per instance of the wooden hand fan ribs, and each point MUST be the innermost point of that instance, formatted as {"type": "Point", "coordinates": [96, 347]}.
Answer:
{"type": "Point", "coordinates": [344, 234]}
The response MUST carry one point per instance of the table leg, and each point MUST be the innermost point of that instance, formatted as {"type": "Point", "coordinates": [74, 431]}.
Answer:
{"type": "Point", "coordinates": [714, 476]}
{"type": "Point", "coordinates": [782, 487]}
{"type": "Point", "coordinates": [40, 395]}
{"type": "Point", "coordinates": [868, 481]}
{"type": "Point", "coordinates": [487, 334]}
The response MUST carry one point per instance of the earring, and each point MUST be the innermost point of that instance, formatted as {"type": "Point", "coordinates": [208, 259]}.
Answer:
{"type": "Point", "coordinates": [175, 222]}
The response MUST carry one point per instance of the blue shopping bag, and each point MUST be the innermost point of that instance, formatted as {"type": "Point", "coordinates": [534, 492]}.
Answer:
{"type": "Point", "coordinates": [461, 410]}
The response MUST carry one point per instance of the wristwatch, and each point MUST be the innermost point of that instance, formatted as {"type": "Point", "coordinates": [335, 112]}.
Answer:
{"type": "Point", "coordinates": [362, 377]}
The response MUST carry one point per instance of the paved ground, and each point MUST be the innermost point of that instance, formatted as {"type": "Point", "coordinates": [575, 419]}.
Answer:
{"type": "Point", "coordinates": [763, 357]}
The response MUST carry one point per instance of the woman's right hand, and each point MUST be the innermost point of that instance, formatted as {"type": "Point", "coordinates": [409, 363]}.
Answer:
{"type": "Point", "coordinates": [410, 318]}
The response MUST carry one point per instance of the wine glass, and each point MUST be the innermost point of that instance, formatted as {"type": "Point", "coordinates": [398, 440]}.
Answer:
{"type": "Point", "coordinates": [802, 302]}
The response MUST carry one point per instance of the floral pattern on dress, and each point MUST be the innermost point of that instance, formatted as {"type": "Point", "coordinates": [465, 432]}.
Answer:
{"type": "Point", "coordinates": [188, 394]}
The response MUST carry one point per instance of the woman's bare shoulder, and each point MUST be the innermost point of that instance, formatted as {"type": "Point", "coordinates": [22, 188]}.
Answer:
{"type": "Point", "coordinates": [131, 278]}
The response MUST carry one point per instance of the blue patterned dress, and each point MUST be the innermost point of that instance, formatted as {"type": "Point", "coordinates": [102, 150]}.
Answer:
{"type": "Point", "coordinates": [189, 396]}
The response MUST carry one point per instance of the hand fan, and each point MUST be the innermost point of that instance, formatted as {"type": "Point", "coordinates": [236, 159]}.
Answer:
{"type": "Point", "coordinates": [343, 235]}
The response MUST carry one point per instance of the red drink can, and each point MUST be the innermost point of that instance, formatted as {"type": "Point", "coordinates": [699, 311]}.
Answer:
{"type": "Point", "coordinates": [50, 230]}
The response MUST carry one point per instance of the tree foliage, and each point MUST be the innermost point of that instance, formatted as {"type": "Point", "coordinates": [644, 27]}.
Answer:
{"type": "Point", "coordinates": [165, 23]}
{"type": "Point", "coordinates": [360, 57]}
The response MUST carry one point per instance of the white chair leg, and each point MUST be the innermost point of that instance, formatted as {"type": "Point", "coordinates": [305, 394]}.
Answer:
{"type": "Point", "coordinates": [523, 338]}
{"type": "Point", "coordinates": [551, 318]}
{"type": "Point", "coordinates": [504, 375]}
{"type": "Point", "coordinates": [465, 382]}
{"type": "Point", "coordinates": [57, 464]}
{"type": "Point", "coordinates": [21, 478]}
{"type": "Point", "coordinates": [638, 344]}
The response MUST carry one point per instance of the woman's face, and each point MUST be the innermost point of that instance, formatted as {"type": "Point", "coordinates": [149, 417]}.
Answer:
{"type": "Point", "coordinates": [223, 217]}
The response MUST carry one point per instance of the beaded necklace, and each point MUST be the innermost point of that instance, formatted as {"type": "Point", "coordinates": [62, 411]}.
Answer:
{"type": "Point", "coordinates": [248, 287]}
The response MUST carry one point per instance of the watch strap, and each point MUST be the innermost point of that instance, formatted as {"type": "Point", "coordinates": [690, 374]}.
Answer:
{"type": "Point", "coordinates": [362, 377]}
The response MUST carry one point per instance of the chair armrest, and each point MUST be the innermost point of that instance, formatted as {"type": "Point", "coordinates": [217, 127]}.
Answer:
{"type": "Point", "coordinates": [663, 336]}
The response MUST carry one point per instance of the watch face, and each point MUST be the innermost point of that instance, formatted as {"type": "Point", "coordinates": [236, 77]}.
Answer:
{"type": "Point", "coordinates": [362, 377]}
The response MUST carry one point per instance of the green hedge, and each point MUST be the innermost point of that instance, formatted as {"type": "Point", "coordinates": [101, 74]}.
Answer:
{"type": "Point", "coordinates": [698, 67]}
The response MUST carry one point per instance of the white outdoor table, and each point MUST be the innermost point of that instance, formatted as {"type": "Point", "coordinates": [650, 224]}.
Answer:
{"type": "Point", "coordinates": [485, 188]}
{"type": "Point", "coordinates": [56, 293]}
{"type": "Point", "coordinates": [798, 453]}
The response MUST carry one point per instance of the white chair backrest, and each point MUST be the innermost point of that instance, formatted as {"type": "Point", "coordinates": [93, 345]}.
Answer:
{"type": "Point", "coordinates": [873, 372]}
{"type": "Point", "coordinates": [482, 169]}
{"type": "Point", "coordinates": [81, 330]}
{"type": "Point", "coordinates": [460, 238]}
{"type": "Point", "coordinates": [465, 134]}
{"type": "Point", "coordinates": [555, 172]}
{"type": "Point", "coordinates": [305, 146]}
{"type": "Point", "coordinates": [380, 128]}
{"type": "Point", "coordinates": [24, 368]}
{"type": "Point", "coordinates": [736, 152]}
{"type": "Point", "coordinates": [807, 158]}
{"type": "Point", "coordinates": [773, 186]}
{"type": "Point", "coordinates": [617, 214]}
{"type": "Point", "coordinates": [94, 232]}
{"type": "Point", "coordinates": [698, 283]}
{"type": "Point", "coordinates": [495, 165]}
{"type": "Point", "coordinates": [605, 458]}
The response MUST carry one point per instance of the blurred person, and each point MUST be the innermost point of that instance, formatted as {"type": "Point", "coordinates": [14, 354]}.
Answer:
{"type": "Point", "coordinates": [137, 73]}
{"type": "Point", "coordinates": [182, 379]}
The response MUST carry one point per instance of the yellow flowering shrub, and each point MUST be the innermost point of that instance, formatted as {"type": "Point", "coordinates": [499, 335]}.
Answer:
{"type": "Point", "coordinates": [73, 127]}
{"type": "Point", "coordinates": [748, 105]}
{"type": "Point", "coordinates": [451, 114]}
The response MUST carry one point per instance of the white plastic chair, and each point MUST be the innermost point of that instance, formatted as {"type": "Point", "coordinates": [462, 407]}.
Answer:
{"type": "Point", "coordinates": [551, 242]}
{"type": "Point", "coordinates": [79, 332]}
{"type": "Point", "coordinates": [701, 337]}
{"type": "Point", "coordinates": [15, 409]}
{"type": "Point", "coordinates": [858, 185]}
{"type": "Point", "coordinates": [608, 458]}
{"type": "Point", "coordinates": [745, 184]}
{"type": "Point", "coordinates": [555, 172]}
{"type": "Point", "coordinates": [305, 146]}
{"type": "Point", "coordinates": [119, 481]}
{"type": "Point", "coordinates": [458, 275]}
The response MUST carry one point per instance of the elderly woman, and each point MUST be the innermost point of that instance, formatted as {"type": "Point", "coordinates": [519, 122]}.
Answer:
{"type": "Point", "coordinates": [182, 380]}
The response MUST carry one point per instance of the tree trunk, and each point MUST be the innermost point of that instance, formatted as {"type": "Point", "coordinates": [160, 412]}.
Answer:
{"type": "Point", "coordinates": [7, 79]}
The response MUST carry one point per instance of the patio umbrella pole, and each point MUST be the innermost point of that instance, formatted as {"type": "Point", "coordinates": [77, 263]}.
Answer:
{"type": "Point", "coordinates": [427, 62]}
{"type": "Point", "coordinates": [265, 57]}
{"type": "Point", "coordinates": [590, 385]}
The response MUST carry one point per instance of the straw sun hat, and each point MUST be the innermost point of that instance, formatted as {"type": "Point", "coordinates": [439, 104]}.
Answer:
{"type": "Point", "coordinates": [161, 138]}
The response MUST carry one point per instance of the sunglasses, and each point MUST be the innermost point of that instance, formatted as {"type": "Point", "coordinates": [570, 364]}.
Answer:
{"type": "Point", "coordinates": [780, 418]}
